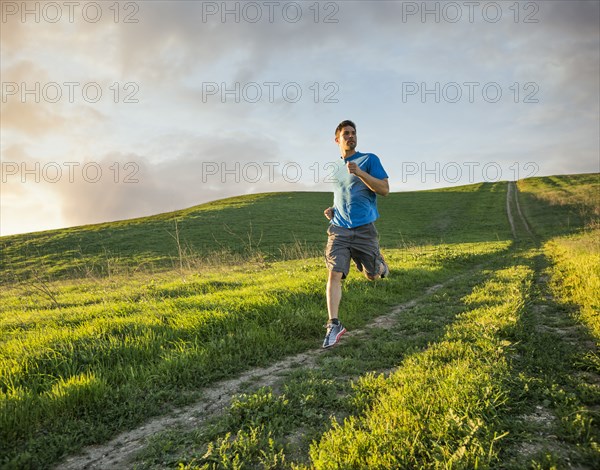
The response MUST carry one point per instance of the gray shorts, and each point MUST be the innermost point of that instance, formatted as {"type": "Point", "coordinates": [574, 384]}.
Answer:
{"type": "Point", "coordinates": [360, 244]}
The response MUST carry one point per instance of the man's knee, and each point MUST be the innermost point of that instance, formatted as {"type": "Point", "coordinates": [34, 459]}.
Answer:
{"type": "Point", "coordinates": [335, 277]}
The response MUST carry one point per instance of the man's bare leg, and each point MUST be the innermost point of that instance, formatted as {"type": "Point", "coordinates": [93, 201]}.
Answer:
{"type": "Point", "coordinates": [334, 293]}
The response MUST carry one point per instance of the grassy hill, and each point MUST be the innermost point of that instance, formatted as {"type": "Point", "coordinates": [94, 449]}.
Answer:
{"type": "Point", "coordinates": [278, 225]}
{"type": "Point", "coordinates": [288, 225]}
{"type": "Point", "coordinates": [104, 326]}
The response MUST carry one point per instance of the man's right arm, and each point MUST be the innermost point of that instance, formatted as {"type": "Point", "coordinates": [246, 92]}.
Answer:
{"type": "Point", "coordinates": [328, 213]}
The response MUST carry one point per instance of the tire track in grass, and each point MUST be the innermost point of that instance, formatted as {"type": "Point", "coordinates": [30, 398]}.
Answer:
{"type": "Point", "coordinates": [509, 213]}
{"type": "Point", "coordinates": [118, 452]}
{"type": "Point", "coordinates": [460, 319]}
{"type": "Point", "coordinates": [558, 430]}
{"type": "Point", "coordinates": [512, 198]}
{"type": "Point", "coordinates": [521, 216]}
{"type": "Point", "coordinates": [558, 388]}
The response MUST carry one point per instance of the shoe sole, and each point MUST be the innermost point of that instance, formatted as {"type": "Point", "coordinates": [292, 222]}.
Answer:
{"type": "Point", "coordinates": [337, 339]}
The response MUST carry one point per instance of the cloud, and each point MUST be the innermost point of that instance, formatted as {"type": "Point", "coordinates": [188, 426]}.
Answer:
{"type": "Point", "coordinates": [20, 108]}
{"type": "Point", "coordinates": [174, 132]}
{"type": "Point", "coordinates": [119, 186]}
{"type": "Point", "coordinates": [35, 105]}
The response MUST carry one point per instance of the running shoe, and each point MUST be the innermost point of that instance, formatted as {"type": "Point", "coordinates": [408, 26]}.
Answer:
{"type": "Point", "coordinates": [334, 333]}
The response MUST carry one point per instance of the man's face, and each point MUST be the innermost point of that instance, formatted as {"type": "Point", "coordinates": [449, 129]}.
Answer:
{"type": "Point", "coordinates": [346, 138]}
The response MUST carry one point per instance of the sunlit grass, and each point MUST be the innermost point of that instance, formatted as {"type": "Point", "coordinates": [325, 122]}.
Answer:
{"type": "Point", "coordinates": [576, 275]}
{"type": "Point", "coordinates": [438, 409]}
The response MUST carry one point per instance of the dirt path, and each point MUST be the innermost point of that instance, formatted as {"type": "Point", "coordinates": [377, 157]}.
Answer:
{"type": "Point", "coordinates": [117, 453]}
{"type": "Point", "coordinates": [512, 194]}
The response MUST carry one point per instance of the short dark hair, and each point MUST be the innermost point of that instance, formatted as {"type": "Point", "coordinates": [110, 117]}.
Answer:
{"type": "Point", "coordinates": [343, 124]}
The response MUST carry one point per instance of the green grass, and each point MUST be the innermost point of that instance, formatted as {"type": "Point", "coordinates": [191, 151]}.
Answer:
{"type": "Point", "coordinates": [105, 326]}
{"type": "Point", "coordinates": [457, 382]}
{"type": "Point", "coordinates": [576, 275]}
{"type": "Point", "coordinates": [308, 398]}
{"type": "Point", "coordinates": [116, 352]}
{"type": "Point", "coordinates": [439, 408]}
{"type": "Point", "coordinates": [559, 205]}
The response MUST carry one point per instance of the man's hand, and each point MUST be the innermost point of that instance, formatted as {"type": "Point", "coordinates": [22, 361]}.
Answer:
{"type": "Point", "coordinates": [328, 213]}
{"type": "Point", "coordinates": [378, 186]}
{"type": "Point", "coordinates": [353, 169]}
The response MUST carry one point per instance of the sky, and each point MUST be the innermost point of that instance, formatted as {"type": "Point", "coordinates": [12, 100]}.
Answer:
{"type": "Point", "coordinates": [113, 110]}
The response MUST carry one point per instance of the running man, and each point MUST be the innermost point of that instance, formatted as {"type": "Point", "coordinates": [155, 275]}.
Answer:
{"type": "Point", "coordinates": [351, 233]}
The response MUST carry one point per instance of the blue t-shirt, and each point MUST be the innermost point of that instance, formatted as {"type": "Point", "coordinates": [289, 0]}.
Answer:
{"type": "Point", "coordinates": [354, 204]}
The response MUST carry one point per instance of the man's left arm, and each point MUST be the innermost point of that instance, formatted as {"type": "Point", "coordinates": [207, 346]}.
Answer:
{"type": "Point", "coordinates": [378, 186]}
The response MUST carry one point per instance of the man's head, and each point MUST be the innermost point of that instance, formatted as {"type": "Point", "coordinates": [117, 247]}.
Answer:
{"type": "Point", "coordinates": [345, 136]}
{"type": "Point", "coordinates": [343, 124]}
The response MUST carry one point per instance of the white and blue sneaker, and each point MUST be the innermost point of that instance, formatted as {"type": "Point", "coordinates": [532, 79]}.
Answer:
{"type": "Point", "coordinates": [335, 330]}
